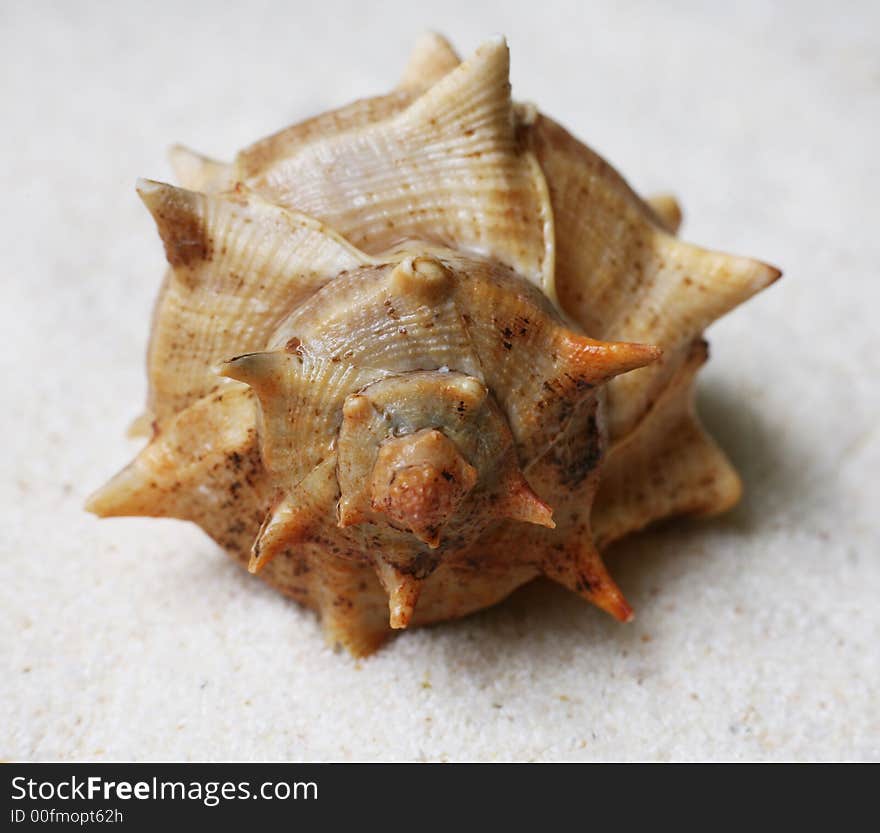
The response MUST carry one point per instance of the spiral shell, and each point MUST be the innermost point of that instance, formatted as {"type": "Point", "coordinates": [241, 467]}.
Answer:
{"type": "Point", "coordinates": [411, 354]}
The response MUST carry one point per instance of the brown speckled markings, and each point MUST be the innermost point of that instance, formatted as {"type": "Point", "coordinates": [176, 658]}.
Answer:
{"type": "Point", "coordinates": [412, 353]}
{"type": "Point", "coordinates": [203, 466]}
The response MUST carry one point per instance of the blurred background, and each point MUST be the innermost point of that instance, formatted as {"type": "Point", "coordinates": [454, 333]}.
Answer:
{"type": "Point", "coordinates": [758, 635]}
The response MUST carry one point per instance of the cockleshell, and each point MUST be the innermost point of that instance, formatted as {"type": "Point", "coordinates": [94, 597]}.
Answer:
{"type": "Point", "coordinates": [415, 352]}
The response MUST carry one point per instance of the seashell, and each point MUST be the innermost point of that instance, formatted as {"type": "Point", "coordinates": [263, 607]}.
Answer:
{"type": "Point", "coordinates": [413, 353]}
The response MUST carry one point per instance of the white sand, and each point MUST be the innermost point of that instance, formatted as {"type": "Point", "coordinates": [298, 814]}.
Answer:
{"type": "Point", "coordinates": [757, 636]}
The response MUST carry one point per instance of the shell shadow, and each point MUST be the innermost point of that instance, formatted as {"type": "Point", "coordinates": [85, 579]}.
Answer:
{"type": "Point", "coordinates": [773, 467]}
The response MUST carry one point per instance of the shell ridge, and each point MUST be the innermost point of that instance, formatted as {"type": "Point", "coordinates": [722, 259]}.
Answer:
{"type": "Point", "coordinates": [255, 160]}
{"type": "Point", "coordinates": [298, 513]}
{"type": "Point", "coordinates": [300, 398]}
{"type": "Point", "coordinates": [468, 114]}
{"type": "Point", "coordinates": [237, 263]}
{"type": "Point", "coordinates": [548, 264]}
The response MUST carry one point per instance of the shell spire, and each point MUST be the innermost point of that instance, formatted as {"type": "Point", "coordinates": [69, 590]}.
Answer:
{"type": "Point", "coordinates": [419, 481]}
{"type": "Point", "coordinates": [413, 353]}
